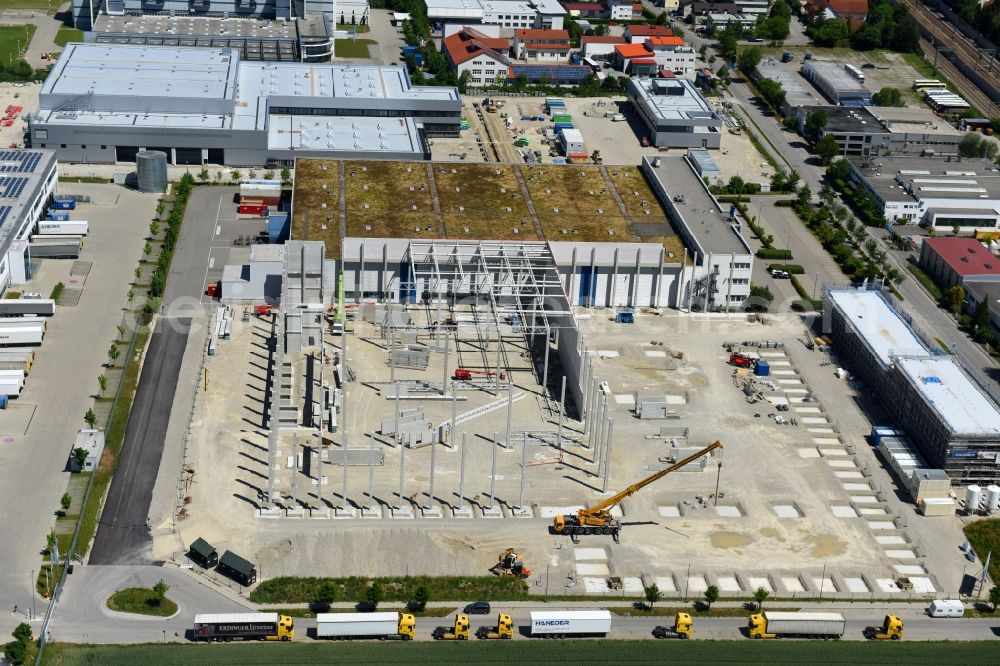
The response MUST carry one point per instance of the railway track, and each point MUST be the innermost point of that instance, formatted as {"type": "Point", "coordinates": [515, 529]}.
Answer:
{"type": "Point", "coordinates": [966, 88]}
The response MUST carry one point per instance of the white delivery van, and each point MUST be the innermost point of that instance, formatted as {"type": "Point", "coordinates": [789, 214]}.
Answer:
{"type": "Point", "coordinates": [946, 608]}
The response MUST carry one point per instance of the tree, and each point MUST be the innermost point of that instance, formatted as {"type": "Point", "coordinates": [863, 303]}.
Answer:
{"type": "Point", "coordinates": [760, 595]}
{"type": "Point", "coordinates": [954, 297]}
{"type": "Point", "coordinates": [711, 595]}
{"type": "Point", "coordinates": [981, 317]}
{"type": "Point", "coordinates": [203, 175]}
{"type": "Point", "coordinates": [736, 185]}
{"type": "Point", "coordinates": [66, 501]}
{"type": "Point", "coordinates": [112, 354]}
{"type": "Point", "coordinates": [804, 196]}
{"type": "Point", "coordinates": [772, 92]}
{"type": "Point", "coordinates": [147, 250]}
{"type": "Point", "coordinates": [22, 633]}
{"type": "Point", "coordinates": [16, 652]}
{"type": "Point", "coordinates": [130, 295]}
{"type": "Point", "coordinates": [994, 597]}
{"type": "Point", "coordinates": [838, 172]}
{"type": "Point", "coordinates": [154, 229]}
{"type": "Point", "coordinates": [235, 175]}
{"type": "Point", "coordinates": [137, 273]}
{"type": "Point", "coordinates": [827, 148]}
{"type": "Point", "coordinates": [91, 418]}
{"type": "Point", "coordinates": [326, 593]}
{"type": "Point", "coordinates": [421, 597]}
{"type": "Point", "coordinates": [748, 59]}
{"type": "Point", "coordinates": [652, 593]}
{"type": "Point", "coordinates": [160, 590]}
{"type": "Point", "coordinates": [888, 97]}
{"type": "Point", "coordinates": [829, 33]}
{"type": "Point", "coordinates": [286, 176]}
{"type": "Point", "coordinates": [252, 174]}
{"type": "Point", "coordinates": [814, 123]}
{"type": "Point", "coordinates": [269, 174]}
{"type": "Point", "coordinates": [80, 456]}
{"type": "Point", "coordinates": [373, 595]}
{"type": "Point", "coordinates": [217, 177]}
{"type": "Point", "coordinates": [775, 27]}
{"type": "Point", "coordinates": [463, 80]}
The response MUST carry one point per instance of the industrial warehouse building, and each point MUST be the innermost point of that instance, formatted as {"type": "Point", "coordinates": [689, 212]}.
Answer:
{"type": "Point", "coordinates": [884, 130]}
{"type": "Point", "coordinates": [607, 248]}
{"type": "Point", "coordinates": [28, 179]}
{"type": "Point", "coordinates": [951, 419]}
{"type": "Point", "coordinates": [941, 193]}
{"type": "Point", "coordinates": [105, 103]}
{"type": "Point", "coordinates": [835, 83]}
{"type": "Point", "coordinates": [675, 112]}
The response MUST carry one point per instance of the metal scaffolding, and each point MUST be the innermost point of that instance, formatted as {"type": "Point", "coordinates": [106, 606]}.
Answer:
{"type": "Point", "coordinates": [518, 281]}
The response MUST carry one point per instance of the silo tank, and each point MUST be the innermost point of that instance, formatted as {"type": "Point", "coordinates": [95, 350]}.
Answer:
{"type": "Point", "coordinates": [992, 498]}
{"type": "Point", "coordinates": [972, 494]}
{"type": "Point", "coordinates": [151, 170]}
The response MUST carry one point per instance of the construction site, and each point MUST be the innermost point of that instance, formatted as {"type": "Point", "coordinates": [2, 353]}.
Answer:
{"type": "Point", "coordinates": [429, 438]}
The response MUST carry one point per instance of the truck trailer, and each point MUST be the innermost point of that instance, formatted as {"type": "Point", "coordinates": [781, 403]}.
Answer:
{"type": "Point", "coordinates": [342, 626]}
{"type": "Point", "coordinates": [21, 336]}
{"type": "Point", "coordinates": [243, 627]}
{"type": "Point", "coordinates": [65, 227]}
{"type": "Point", "coordinates": [770, 624]}
{"type": "Point", "coordinates": [560, 624]}
{"type": "Point", "coordinates": [19, 307]}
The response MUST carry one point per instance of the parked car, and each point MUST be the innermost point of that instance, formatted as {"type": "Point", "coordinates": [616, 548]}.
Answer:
{"type": "Point", "coordinates": [478, 608]}
{"type": "Point", "coordinates": [778, 274]}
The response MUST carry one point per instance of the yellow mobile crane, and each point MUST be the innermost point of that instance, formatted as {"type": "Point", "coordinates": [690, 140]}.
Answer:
{"type": "Point", "coordinates": [598, 520]}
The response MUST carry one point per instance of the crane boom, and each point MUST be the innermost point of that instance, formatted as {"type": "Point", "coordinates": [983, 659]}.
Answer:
{"type": "Point", "coordinates": [636, 487]}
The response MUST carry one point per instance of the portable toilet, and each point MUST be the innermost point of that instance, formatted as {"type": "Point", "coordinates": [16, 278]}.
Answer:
{"type": "Point", "coordinates": [763, 368]}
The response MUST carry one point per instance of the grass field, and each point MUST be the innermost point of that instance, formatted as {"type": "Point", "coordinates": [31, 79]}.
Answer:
{"type": "Point", "coordinates": [639, 200]}
{"type": "Point", "coordinates": [528, 652]}
{"type": "Point", "coordinates": [286, 590]}
{"type": "Point", "coordinates": [67, 34]}
{"type": "Point", "coordinates": [14, 41]}
{"type": "Point", "coordinates": [984, 535]}
{"type": "Point", "coordinates": [29, 4]}
{"type": "Point", "coordinates": [430, 611]}
{"type": "Point", "coordinates": [141, 601]}
{"type": "Point", "coordinates": [352, 48]}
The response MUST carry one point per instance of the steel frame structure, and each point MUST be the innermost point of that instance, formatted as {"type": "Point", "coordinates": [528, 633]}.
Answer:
{"type": "Point", "coordinates": [518, 280]}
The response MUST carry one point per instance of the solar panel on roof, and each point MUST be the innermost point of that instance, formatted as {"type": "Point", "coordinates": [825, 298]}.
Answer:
{"type": "Point", "coordinates": [4, 212]}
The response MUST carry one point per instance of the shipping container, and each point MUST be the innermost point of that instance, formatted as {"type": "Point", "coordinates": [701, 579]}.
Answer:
{"type": "Point", "coordinates": [258, 209]}
{"type": "Point", "coordinates": [571, 623]}
{"type": "Point", "coordinates": [62, 202]}
{"type": "Point", "coordinates": [770, 624]}
{"type": "Point", "coordinates": [58, 215]}
{"type": "Point", "coordinates": [243, 627]}
{"type": "Point", "coordinates": [65, 227]}
{"type": "Point", "coordinates": [11, 307]}
{"type": "Point", "coordinates": [365, 625]}
{"type": "Point", "coordinates": [27, 321]}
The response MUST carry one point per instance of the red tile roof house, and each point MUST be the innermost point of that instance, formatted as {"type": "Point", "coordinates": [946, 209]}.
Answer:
{"type": "Point", "coordinates": [532, 44]}
{"type": "Point", "coordinates": [851, 12]}
{"type": "Point", "coordinates": [951, 259]}
{"type": "Point", "coordinates": [485, 57]}
{"type": "Point", "coordinates": [638, 34]}
{"type": "Point", "coordinates": [586, 9]}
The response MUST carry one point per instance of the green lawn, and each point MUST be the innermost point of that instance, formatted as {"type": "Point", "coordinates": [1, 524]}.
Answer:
{"type": "Point", "coordinates": [294, 590]}
{"type": "Point", "coordinates": [503, 653]}
{"type": "Point", "coordinates": [67, 34]}
{"type": "Point", "coordinates": [141, 601]}
{"type": "Point", "coordinates": [352, 48]}
{"type": "Point", "coordinates": [984, 535]}
{"type": "Point", "coordinates": [14, 41]}
{"type": "Point", "coordinates": [360, 29]}
{"type": "Point", "coordinates": [47, 5]}
{"type": "Point", "coordinates": [926, 280]}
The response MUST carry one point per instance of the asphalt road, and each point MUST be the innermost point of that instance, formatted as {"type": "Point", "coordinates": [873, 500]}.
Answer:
{"type": "Point", "coordinates": [123, 534]}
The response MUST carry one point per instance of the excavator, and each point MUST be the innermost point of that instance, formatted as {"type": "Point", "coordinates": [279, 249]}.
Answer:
{"type": "Point", "coordinates": [598, 520]}
{"type": "Point", "coordinates": [510, 564]}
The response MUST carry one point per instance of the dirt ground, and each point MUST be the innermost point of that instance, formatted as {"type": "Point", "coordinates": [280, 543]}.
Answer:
{"type": "Point", "coordinates": [794, 501]}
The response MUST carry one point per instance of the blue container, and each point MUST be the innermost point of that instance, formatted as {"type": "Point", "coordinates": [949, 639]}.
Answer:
{"type": "Point", "coordinates": [64, 203]}
{"type": "Point", "coordinates": [3, 401]}
{"type": "Point", "coordinates": [409, 50]}
{"type": "Point", "coordinates": [58, 215]}
{"type": "Point", "coordinates": [419, 59]}
{"type": "Point", "coordinates": [277, 227]}
{"type": "Point", "coordinates": [763, 369]}
{"type": "Point", "coordinates": [562, 126]}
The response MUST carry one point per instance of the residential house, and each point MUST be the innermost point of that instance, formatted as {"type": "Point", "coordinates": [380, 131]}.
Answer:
{"type": "Point", "coordinates": [700, 9]}
{"type": "Point", "coordinates": [634, 59]}
{"type": "Point", "coordinates": [638, 34]}
{"type": "Point", "coordinates": [541, 45]}
{"type": "Point", "coordinates": [851, 12]}
{"type": "Point", "coordinates": [716, 21]}
{"type": "Point", "coordinates": [484, 57]}
{"type": "Point", "coordinates": [586, 9]}
{"type": "Point", "coordinates": [599, 48]}
{"type": "Point", "coordinates": [620, 10]}
{"type": "Point", "coordinates": [672, 54]}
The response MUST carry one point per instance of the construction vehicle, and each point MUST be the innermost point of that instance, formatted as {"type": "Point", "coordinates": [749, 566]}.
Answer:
{"type": "Point", "coordinates": [458, 632]}
{"type": "Point", "coordinates": [243, 627]}
{"type": "Point", "coordinates": [504, 629]}
{"type": "Point", "coordinates": [682, 628]}
{"type": "Point", "coordinates": [891, 629]}
{"type": "Point", "coordinates": [465, 374]}
{"type": "Point", "coordinates": [383, 626]}
{"type": "Point", "coordinates": [596, 158]}
{"type": "Point", "coordinates": [489, 105]}
{"type": "Point", "coordinates": [804, 625]}
{"type": "Point", "coordinates": [598, 520]}
{"type": "Point", "coordinates": [263, 310]}
{"type": "Point", "coordinates": [741, 360]}
{"type": "Point", "coordinates": [509, 564]}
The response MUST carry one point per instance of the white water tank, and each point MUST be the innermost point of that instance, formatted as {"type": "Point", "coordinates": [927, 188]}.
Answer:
{"type": "Point", "coordinates": [992, 498]}
{"type": "Point", "coordinates": [972, 494]}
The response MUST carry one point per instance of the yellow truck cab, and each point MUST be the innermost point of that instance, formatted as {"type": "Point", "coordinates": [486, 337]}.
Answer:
{"type": "Point", "coordinates": [407, 627]}
{"type": "Point", "coordinates": [458, 632]}
{"type": "Point", "coordinates": [504, 629]}
{"type": "Point", "coordinates": [683, 628]}
{"type": "Point", "coordinates": [286, 629]}
{"type": "Point", "coordinates": [757, 626]}
{"type": "Point", "coordinates": [891, 629]}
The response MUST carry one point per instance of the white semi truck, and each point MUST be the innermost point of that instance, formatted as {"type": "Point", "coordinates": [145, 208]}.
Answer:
{"type": "Point", "coordinates": [560, 624]}
{"type": "Point", "coordinates": [770, 624]}
{"type": "Point", "coordinates": [399, 626]}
